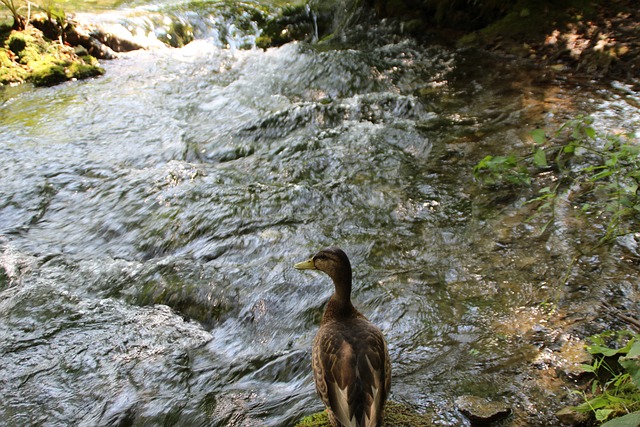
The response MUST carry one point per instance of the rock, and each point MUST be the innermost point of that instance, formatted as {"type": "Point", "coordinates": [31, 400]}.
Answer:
{"type": "Point", "coordinates": [117, 37]}
{"type": "Point", "coordinates": [76, 35]}
{"type": "Point", "coordinates": [481, 411]}
{"type": "Point", "coordinates": [80, 50]}
{"type": "Point", "coordinates": [46, 73]}
{"type": "Point", "coordinates": [571, 417]}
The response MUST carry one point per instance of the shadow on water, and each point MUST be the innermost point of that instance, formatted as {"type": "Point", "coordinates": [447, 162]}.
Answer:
{"type": "Point", "coordinates": [149, 221]}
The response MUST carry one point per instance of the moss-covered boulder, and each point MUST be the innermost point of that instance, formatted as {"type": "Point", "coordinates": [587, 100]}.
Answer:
{"type": "Point", "coordinates": [47, 73]}
{"type": "Point", "coordinates": [395, 415]}
{"type": "Point", "coordinates": [26, 45]}
{"type": "Point", "coordinates": [29, 56]}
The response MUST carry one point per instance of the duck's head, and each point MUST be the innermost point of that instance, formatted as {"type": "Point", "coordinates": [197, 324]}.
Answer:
{"type": "Point", "coordinates": [332, 261]}
{"type": "Point", "coordinates": [335, 263]}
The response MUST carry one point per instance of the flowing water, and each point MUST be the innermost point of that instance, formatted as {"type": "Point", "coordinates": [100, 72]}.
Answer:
{"type": "Point", "coordinates": [150, 219]}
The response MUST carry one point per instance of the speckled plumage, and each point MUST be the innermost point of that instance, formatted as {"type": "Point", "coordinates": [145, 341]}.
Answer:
{"type": "Point", "coordinates": [351, 366]}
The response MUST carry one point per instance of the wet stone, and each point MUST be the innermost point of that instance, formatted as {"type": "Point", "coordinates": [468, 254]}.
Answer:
{"type": "Point", "coordinates": [569, 416]}
{"type": "Point", "coordinates": [481, 411]}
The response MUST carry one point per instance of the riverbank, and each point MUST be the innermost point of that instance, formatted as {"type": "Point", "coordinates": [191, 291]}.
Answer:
{"type": "Point", "coordinates": [50, 51]}
{"type": "Point", "coordinates": [594, 42]}
{"type": "Point", "coordinates": [573, 38]}
{"type": "Point", "coordinates": [29, 56]}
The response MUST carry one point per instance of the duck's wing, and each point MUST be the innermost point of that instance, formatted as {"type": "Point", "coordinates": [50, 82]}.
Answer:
{"type": "Point", "coordinates": [352, 374]}
{"type": "Point", "coordinates": [374, 370]}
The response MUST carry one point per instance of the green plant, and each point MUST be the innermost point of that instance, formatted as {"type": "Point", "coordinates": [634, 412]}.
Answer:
{"type": "Point", "coordinates": [602, 170]}
{"type": "Point", "coordinates": [598, 173]}
{"type": "Point", "coordinates": [54, 11]}
{"type": "Point", "coordinates": [615, 388]}
{"type": "Point", "coordinates": [19, 22]}
{"type": "Point", "coordinates": [494, 170]}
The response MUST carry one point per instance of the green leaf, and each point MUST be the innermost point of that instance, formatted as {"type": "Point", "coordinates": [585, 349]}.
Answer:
{"type": "Point", "coordinates": [631, 189]}
{"type": "Point", "coordinates": [634, 351]}
{"type": "Point", "coordinates": [603, 174]}
{"type": "Point", "coordinates": [629, 420]}
{"type": "Point", "coordinates": [540, 158]}
{"type": "Point", "coordinates": [538, 136]}
{"type": "Point", "coordinates": [597, 402]}
{"type": "Point", "coordinates": [620, 379]}
{"type": "Point", "coordinates": [588, 368]}
{"type": "Point", "coordinates": [632, 366]}
{"type": "Point", "coordinates": [484, 162]}
{"type": "Point", "coordinates": [603, 414]}
{"type": "Point", "coordinates": [544, 227]}
{"type": "Point", "coordinates": [605, 351]}
{"type": "Point", "coordinates": [590, 132]}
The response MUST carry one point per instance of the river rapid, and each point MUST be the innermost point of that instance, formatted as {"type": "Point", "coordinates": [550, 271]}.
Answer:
{"type": "Point", "coordinates": [150, 219]}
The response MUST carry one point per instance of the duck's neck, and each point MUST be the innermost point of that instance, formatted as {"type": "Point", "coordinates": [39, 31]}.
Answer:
{"type": "Point", "coordinates": [340, 303]}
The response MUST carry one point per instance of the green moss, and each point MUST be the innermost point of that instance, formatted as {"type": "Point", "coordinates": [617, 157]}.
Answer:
{"type": "Point", "coordinates": [395, 415]}
{"type": "Point", "coordinates": [179, 34]}
{"type": "Point", "coordinates": [318, 419]}
{"type": "Point", "coordinates": [5, 61]}
{"type": "Point", "coordinates": [10, 75]}
{"type": "Point", "coordinates": [293, 23]}
{"type": "Point", "coordinates": [79, 70]}
{"type": "Point", "coordinates": [28, 45]}
{"type": "Point", "coordinates": [264, 42]}
{"type": "Point", "coordinates": [29, 56]}
{"type": "Point", "coordinates": [17, 41]}
{"type": "Point", "coordinates": [47, 73]}
{"type": "Point", "coordinates": [10, 71]}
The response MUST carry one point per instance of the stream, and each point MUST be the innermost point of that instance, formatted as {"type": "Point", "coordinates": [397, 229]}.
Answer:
{"type": "Point", "coordinates": [150, 220]}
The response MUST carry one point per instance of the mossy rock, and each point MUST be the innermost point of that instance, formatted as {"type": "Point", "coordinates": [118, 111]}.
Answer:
{"type": "Point", "coordinates": [178, 34]}
{"type": "Point", "coordinates": [319, 419]}
{"type": "Point", "coordinates": [28, 45]}
{"type": "Point", "coordinates": [47, 73]}
{"type": "Point", "coordinates": [29, 56]}
{"type": "Point", "coordinates": [18, 41]}
{"type": "Point", "coordinates": [79, 70]}
{"type": "Point", "coordinates": [395, 415]}
{"type": "Point", "coordinates": [11, 72]}
{"type": "Point", "coordinates": [9, 75]}
{"type": "Point", "coordinates": [293, 23]}
{"type": "Point", "coordinates": [5, 61]}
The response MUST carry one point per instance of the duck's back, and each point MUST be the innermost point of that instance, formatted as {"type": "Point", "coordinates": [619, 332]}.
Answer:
{"type": "Point", "coordinates": [352, 371]}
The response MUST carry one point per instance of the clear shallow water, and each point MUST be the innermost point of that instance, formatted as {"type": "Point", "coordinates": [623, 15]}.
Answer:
{"type": "Point", "coordinates": [149, 221]}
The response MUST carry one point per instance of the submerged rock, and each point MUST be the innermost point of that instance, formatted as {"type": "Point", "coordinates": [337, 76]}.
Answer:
{"type": "Point", "coordinates": [481, 411]}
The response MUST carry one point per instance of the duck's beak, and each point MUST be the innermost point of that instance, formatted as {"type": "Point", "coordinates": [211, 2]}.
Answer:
{"type": "Point", "coordinates": [305, 265]}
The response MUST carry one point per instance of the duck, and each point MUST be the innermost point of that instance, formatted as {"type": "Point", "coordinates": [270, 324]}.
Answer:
{"type": "Point", "coordinates": [350, 359]}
